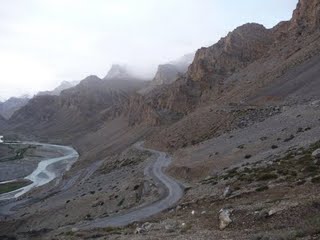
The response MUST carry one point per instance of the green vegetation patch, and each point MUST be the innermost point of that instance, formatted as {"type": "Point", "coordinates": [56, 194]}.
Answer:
{"type": "Point", "coordinates": [11, 186]}
{"type": "Point", "coordinates": [297, 166]}
{"type": "Point", "coordinates": [16, 152]}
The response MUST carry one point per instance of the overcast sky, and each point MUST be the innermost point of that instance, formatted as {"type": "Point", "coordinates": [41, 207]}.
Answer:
{"type": "Point", "coordinates": [44, 42]}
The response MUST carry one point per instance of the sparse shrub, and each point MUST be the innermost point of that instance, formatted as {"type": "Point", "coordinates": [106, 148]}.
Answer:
{"type": "Point", "coordinates": [288, 139]}
{"type": "Point", "coordinates": [315, 179]}
{"type": "Point", "coordinates": [267, 176]}
{"type": "Point", "coordinates": [121, 202]}
{"type": "Point", "coordinates": [262, 188]}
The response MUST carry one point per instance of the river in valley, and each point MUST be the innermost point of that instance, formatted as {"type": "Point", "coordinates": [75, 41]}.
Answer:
{"type": "Point", "coordinates": [47, 169]}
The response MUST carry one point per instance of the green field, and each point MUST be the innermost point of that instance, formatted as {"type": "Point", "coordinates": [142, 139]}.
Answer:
{"type": "Point", "coordinates": [11, 186]}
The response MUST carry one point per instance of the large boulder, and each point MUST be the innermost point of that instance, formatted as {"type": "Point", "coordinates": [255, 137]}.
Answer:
{"type": "Point", "coordinates": [224, 218]}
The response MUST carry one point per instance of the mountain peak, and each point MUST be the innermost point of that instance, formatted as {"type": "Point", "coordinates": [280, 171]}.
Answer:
{"type": "Point", "coordinates": [118, 72]}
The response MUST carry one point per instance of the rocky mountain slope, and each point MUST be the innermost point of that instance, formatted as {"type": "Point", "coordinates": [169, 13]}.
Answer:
{"type": "Point", "coordinates": [234, 70]}
{"type": "Point", "coordinates": [3, 123]}
{"type": "Point", "coordinates": [266, 73]}
{"type": "Point", "coordinates": [63, 86]}
{"type": "Point", "coordinates": [168, 73]}
{"type": "Point", "coordinates": [13, 104]}
{"type": "Point", "coordinates": [77, 110]}
{"type": "Point", "coordinates": [242, 125]}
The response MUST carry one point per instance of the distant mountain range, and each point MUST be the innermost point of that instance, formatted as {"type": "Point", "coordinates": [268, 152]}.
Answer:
{"type": "Point", "coordinates": [13, 104]}
{"type": "Point", "coordinates": [249, 54]}
{"type": "Point", "coordinates": [239, 119]}
{"type": "Point", "coordinates": [63, 86]}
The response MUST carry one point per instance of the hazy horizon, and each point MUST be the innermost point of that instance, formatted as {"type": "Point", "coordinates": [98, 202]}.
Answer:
{"type": "Point", "coordinates": [45, 42]}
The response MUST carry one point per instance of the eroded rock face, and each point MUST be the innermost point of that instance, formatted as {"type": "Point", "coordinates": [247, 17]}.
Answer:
{"type": "Point", "coordinates": [306, 17]}
{"type": "Point", "coordinates": [239, 48]}
{"type": "Point", "coordinates": [166, 74]}
{"type": "Point", "coordinates": [140, 111]}
{"type": "Point", "coordinates": [81, 108]}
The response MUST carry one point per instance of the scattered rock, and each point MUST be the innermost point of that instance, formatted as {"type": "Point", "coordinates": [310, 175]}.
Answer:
{"type": "Point", "coordinates": [263, 138]}
{"type": "Point", "coordinates": [288, 139]}
{"type": "Point", "coordinates": [227, 192]}
{"type": "Point", "coordinates": [272, 212]}
{"type": "Point", "coordinates": [262, 214]}
{"type": "Point", "coordinates": [316, 154]}
{"type": "Point", "coordinates": [170, 225]}
{"type": "Point", "coordinates": [147, 226]}
{"type": "Point", "coordinates": [139, 230]}
{"type": "Point", "coordinates": [178, 208]}
{"type": "Point", "coordinates": [98, 203]}
{"type": "Point", "coordinates": [315, 103]}
{"type": "Point", "coordinates": [74, 229]}
{"type": "Point", "coordinates": [224, 218]}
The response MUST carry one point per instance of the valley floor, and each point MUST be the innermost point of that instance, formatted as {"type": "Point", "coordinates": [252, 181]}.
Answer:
{"type": "Point", "coordinates": [263, 174]}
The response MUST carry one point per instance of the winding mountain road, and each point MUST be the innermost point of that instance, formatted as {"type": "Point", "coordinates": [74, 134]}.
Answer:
{"type": "Point", "coordinates": [173, 192]}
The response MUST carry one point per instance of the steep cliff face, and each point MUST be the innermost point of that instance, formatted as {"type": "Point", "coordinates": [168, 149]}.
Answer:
{"type": "Point", "coordinates": [241, 47]}
{"type": "Point", "coordinates": [250, 56]}
{"type": "Point", "coordinates": [282, 70]}
{"type": "Point", "coordinates": [306, 17]}
{"type": "Point", "coordinates": [209, 68]}
{"type": "Point", "coordinates": [139, 110]}
{"type": "Point", "coordinates": [166, 74]}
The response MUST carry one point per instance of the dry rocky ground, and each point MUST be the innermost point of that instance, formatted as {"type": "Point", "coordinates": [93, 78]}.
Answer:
{"type": "Point", "coordinates": [242, 126]}
{"type": "Point", "coordinates": [263, 174]}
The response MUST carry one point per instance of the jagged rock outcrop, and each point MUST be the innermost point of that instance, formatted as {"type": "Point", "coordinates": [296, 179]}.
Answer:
{"type": "Point", "coordinates": [306, 17]}
{"type": "Point", "coordinates": [209, 68]}
{"type": "Point", "coordinates": [241, 47]}
{"type": "Point", "coordinates": [166, 74]}
{"type": "Point", "coordinates": [139, 110]}
{"type": "Point", "coordinates": [285, 71]}
{"type": "Point", "coordinates": [13, 104]}
{"type": "Point", "coordinates": [118, 72]}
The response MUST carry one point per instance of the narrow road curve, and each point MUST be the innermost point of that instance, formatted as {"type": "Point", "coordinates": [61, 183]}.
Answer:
{"type": "Point", "coordinates": [173, 193]}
